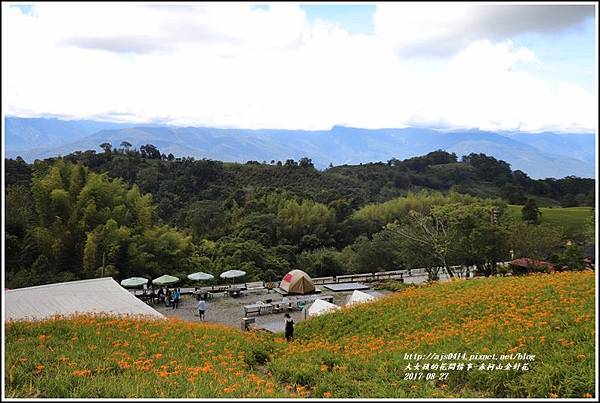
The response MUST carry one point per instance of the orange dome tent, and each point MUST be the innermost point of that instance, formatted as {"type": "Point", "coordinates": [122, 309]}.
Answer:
{"type": "Point", "coordinates": [297, 282]}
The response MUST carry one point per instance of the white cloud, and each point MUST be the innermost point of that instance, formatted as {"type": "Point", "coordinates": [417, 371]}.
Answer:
{"type": "Point", "coordinates": [442, 29]}
{"type": "Point", "coordinates": [482, 87]}
{"type": "Point", "coordinates": [232, 65]}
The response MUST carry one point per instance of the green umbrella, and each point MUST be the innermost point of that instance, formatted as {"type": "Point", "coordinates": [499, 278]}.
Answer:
{"type": "Point", "coordinates": [200, 276]}
{"type": "Point", "coordinates": [134, 282]}
{"type": "Point", "coordinates": [165, 279]}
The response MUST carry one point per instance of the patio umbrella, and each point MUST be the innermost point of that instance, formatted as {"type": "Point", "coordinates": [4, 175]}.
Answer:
{"type": "Point", "coordinates": [165, 279]}
{"type": "Point", "coordinates": [134, 282]}
{"type": "Point", "coordinates": [199, 276]}
{"type": "Point", "coordinates": [233, 274]}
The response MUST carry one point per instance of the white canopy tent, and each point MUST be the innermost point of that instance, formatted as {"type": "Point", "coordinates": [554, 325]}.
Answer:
{"type": "Point", "coordinates": [96, 296]}
{"type": "Point", "coordinates": [359, 297]}
{"type": "Point", "coordinates": [320, 307]}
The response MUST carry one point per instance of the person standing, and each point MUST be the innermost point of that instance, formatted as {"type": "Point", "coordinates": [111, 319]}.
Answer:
{"type": "Point", "coordinates": [176, 296]}
{"type": "Point", "coordinates": [201, 308]}
{"type": "Point", "coordinates": [168, 297]}
{"type": "Point", "coordinates": [289, 327]}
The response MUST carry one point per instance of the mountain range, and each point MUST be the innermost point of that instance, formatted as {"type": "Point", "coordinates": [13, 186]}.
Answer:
{"type": "Point", "coordinates": [540, 155]}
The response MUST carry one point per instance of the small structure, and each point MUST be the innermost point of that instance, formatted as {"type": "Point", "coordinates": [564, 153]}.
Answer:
{"type": "Point", "coordinates": [320, 307]}
{"type": "Point", "coordinates": [94, 296]}
{"type": "Point", "coordinates": [527, 265]}
{"type": "Point", "coordinates": [297, 282]}
{"type": "Point", "coordinates": [359, 297]}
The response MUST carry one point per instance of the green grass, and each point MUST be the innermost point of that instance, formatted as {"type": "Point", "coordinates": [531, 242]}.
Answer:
{"type": "Point", "coordinates": [356, 352]}
{"type": "Point", "coordinates": [544, 201]}
{"type": "Point", "coordinates": [570, 218]}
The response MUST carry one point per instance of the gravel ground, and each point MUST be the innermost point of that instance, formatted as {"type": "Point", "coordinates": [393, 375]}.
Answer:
{"type": "Point", "coordinates": [229, 311]}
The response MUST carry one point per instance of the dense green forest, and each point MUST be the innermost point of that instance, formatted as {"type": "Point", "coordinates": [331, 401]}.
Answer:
{"type": "Point", "coordinates": [126, 212]}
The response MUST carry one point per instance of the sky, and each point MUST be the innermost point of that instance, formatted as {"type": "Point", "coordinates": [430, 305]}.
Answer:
{"type": "Point", "coordinates": [503, 67]}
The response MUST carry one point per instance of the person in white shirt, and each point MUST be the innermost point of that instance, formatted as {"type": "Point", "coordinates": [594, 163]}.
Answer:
{"type": "Point", "coordinates": [201, 308]}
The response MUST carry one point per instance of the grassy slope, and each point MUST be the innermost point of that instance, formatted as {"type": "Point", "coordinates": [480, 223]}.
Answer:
{"type": "Point", "coordinates": [571, 218]}
{"type": "Point", "coordinates": [90, 357]}
{"type": "Point", "coordinates": [356, 352]}
{"type": "Point", "coordinates": [361, 352]}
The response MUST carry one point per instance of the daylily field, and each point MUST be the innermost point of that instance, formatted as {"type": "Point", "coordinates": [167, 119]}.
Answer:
{"type": "Point", "coordinates": [355, 352]}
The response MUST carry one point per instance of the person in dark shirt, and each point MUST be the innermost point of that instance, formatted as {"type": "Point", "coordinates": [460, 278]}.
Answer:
{"type": "Point", "coordinates": [168, 298]}
{"type": "Point", "coordinates": [289, 327]}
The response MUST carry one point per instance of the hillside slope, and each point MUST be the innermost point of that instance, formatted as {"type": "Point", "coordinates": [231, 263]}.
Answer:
{"type": "Point", "coordinates": [356, 352]}
{"type": "Point", "coordinates": [361, 351]}
{"type": "Point", "coordinates": [570, 218]}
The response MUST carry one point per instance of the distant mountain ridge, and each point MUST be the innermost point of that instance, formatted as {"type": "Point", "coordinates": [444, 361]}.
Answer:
{"type": "Point", "coordinates": [539, 155]}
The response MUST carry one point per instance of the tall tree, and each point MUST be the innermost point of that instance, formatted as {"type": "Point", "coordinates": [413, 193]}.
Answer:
{"type": "Point", "coordinates": [126, 145]}
{"type": "Point", "coordinates": [107, 147]}
{"type": "Point", "coordinates": [429, 235]}
{"type": "Point", "coordinates": [530, 212]}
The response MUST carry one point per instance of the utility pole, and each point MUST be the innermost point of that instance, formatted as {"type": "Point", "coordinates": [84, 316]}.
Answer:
{"type": "Point", "coordinates": [103, 262]}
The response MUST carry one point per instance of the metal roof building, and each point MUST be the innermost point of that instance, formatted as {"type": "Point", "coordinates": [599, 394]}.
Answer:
{"type": "Point", "coordinates": [95, 296]}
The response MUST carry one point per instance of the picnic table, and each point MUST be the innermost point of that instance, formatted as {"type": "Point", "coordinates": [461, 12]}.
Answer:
{"type": "Point", "coordinates": [289, 303]}
{"type": "Point", "coordinates": [235, 292]}
{"type": "Point", "coordinates": [203, 294]}
{"type": "Point", "coordinates": [258, 308]}
{"type": "Point", "coordinates": [220, 289]}
{"type": "Point", "coordinates": [147, 297]}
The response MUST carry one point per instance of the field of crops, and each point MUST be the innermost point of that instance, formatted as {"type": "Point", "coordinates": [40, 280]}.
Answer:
{"type": "Point", "coordinates": [360, 351]}
{"type": "Point", "coordinates": [571, 218]}
{"type": "Point", "coordinates": [101, 357]}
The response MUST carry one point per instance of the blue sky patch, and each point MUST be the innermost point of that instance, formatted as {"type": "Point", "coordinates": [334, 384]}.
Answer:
{"type": "Point", "coordinates": [26, 9]}
{"type": "Point", "coordinates": [564, 56]}
{"type": "Point", "coordinates": [354, 18]}
{"type": "Point", "coordinates": [261, 7]}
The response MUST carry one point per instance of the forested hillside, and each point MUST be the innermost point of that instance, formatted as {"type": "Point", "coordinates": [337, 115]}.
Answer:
{"type": "Point", "coordinates": [145, 213]}
{"type": "Point", "coordinates": [541, 155]}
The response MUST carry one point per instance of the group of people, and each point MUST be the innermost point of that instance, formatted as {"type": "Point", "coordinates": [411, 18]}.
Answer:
{"type": "Point", "coordinates": [170, 298]}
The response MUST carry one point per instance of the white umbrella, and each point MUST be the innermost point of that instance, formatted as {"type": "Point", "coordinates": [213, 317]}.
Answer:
{"type": "Point", "coordinates": [165, 279]}
{"type": "Point", "coordinates": [200, 276]}
{"type": "Point", "coordinates": [134, 282]}
{"type": "Point", "coordinates": [232, 274]}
